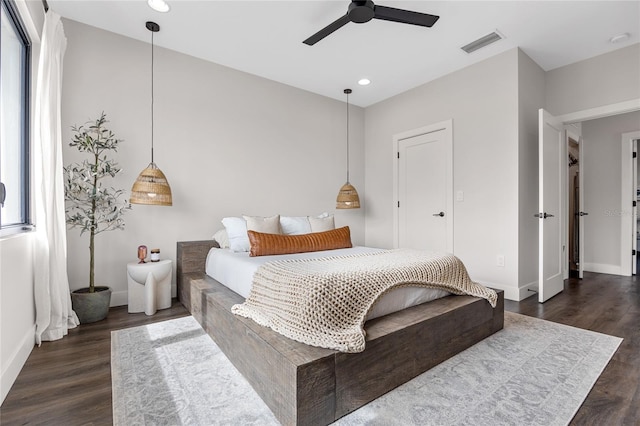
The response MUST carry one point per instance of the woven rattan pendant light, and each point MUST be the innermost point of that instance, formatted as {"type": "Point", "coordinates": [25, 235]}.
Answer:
{"type": "Point", "coordinates": [151, 186]}
{"type": "Point", "coordinates": [348, 196]}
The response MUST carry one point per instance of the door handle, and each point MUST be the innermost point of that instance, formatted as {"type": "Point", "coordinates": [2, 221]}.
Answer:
{"type": "Point", "coordinates": [542, 215]}
{"type": "Point", "coordinates": [441, 214]}
{"type": "Point", "coordinates": [583, 214]}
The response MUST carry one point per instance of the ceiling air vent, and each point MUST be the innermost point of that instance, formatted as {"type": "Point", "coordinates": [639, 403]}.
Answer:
{"type": "Point", "coordinates": [482, 42]}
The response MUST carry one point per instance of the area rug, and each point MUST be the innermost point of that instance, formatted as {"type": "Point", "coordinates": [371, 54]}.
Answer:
{"type": "Point", "coordinates": [533, 372]}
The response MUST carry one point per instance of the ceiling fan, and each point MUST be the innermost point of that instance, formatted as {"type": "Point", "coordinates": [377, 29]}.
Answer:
{"type": "Point", "coordinates": [361, 11]}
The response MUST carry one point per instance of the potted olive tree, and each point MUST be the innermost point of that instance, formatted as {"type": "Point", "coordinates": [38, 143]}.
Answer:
{"type": "Point", "coordinates": [92, 207]}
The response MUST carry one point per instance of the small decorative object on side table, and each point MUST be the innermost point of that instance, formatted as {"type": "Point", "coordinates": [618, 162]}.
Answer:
{"type": "Point", "coordinates": [149, 286]}
{"type": "Point", "coordinates": [155, 255]}
{"type": "Point", "coordinates": [142, 253]}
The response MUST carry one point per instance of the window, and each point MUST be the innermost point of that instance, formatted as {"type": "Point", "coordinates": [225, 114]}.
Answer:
{"type": "Point", "coordinates": [15, 70]}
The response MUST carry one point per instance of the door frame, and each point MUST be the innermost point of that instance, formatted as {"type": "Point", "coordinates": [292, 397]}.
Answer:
{"type": "Point", "coordinates": [581, 208]}
{"type": "Point", "coordinates": [601, 112]}
{"type": "Point", "coordinates": [627, 240]}
{"type": "Point", "coordinates": [634, 214]}
{"type": "Point", "coordinates": [447, 126]}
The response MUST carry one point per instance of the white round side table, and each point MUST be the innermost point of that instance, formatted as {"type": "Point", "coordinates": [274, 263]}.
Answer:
{"type": "Point", "coordinates": [149, 286]}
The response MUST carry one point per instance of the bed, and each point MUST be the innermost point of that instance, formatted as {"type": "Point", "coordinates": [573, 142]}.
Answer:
{"type": "Point", "coordinates": [304, 384]}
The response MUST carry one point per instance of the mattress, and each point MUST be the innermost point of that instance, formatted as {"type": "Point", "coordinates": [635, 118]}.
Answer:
{"type": "Point", "coordinates": [235, 271]}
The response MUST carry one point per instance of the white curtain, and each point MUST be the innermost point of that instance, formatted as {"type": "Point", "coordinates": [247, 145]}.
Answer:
{"type": "Point", "coordinates": [54, 315]}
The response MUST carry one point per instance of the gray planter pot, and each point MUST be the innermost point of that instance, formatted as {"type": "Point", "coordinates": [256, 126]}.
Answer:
{"type": "Point", "coordinates": [91, 307]}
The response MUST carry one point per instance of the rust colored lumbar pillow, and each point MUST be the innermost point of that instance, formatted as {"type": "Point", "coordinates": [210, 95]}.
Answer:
{"type": "Point", "coordinates": [268, 244]}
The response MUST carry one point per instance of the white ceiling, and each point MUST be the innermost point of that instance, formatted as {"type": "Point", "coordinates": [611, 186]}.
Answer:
{"type": "Point", "coordinates": [265, 37]}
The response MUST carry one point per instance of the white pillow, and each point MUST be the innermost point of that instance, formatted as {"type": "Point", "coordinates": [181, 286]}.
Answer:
{"type": "Point", "coordinates": [267, 225]}
{"type": "Point", "coordinates": [322, 223]}
{"type": "Point", "coordinates": [295, 225]}
{"type": "Point", "coordinates": [236, 228]}
{"type": "Point", "coordinates": [222, 238]}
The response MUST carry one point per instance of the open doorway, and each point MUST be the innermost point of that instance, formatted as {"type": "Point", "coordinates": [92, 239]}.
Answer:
{"type": "Point", "coordinates": [601, 221]}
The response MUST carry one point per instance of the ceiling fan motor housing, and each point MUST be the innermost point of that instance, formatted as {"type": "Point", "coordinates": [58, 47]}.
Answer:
{"type": "Point", "coordinates": [361, 11]}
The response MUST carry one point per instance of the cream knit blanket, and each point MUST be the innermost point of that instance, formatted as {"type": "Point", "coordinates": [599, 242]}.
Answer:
{"type": "Point", "coordinates": [323, 302]}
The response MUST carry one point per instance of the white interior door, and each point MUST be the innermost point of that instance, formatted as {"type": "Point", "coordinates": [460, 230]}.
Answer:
{"type": "Point", "coordinates": [424, 192]}
{"type": "Point", "coordinates": [552, 175]}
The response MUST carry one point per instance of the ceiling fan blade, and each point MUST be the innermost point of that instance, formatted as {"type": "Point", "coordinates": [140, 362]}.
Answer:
{"type": "Point", "coordinates": [405, 16]}
{"type": "Point", "coordinates": [335, 25]}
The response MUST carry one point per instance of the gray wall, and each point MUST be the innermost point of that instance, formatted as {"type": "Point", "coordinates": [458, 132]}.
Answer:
{"type": "Point", "coordinates": [17, 310]}
{"type": "Point", "coordinates": [601, 153]}
{"type": "Point", "coordinates": [482, 100]}
{"type": "Point", "coordinates": [230, 143]}
{"type": "Point", "coordinates": [602, 80]}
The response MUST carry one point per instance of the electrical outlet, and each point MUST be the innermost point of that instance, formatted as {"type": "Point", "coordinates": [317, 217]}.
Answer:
{"type": "Point", "coordinates": [500, 260]}
{"type": "Point", "coordinates": [460, 196]}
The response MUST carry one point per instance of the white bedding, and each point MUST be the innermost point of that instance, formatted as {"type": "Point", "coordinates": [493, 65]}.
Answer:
{"type": "Point", "coordinates": [235, 271]}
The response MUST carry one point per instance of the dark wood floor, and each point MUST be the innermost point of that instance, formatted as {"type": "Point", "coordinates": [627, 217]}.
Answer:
{"type": "Point", "coordinates": [68, 382]}
{"type": "Point", "coordinates": [608, 304]}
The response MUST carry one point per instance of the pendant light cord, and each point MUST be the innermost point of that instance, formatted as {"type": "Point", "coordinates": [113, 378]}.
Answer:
{"type": "Point", "coordinates": [151, 97]}
{"type": "Point", "coordinates": [347, 137]}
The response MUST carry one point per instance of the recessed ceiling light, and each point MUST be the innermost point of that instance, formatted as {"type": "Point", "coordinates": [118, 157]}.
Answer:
{"type": "Point", "coordinates": [364, 82]}
{"type": "Point", "coordinates": [618, 38]}
{"type": "Point", "coordinates": [158, 5]}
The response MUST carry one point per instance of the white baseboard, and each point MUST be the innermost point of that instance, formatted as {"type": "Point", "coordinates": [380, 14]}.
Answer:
{"type": "Point", "coordinates": [603, 268]}
{"type": "Point", "coordinates": [119, 298]}
{"type": "Point", "coordinates": [528, 290]}
{"type": "Point", "coordinates": [16, 362]}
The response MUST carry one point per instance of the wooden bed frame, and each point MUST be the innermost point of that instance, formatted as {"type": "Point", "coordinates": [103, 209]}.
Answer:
{"type": "Point", "coordinates": [305, 385]}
